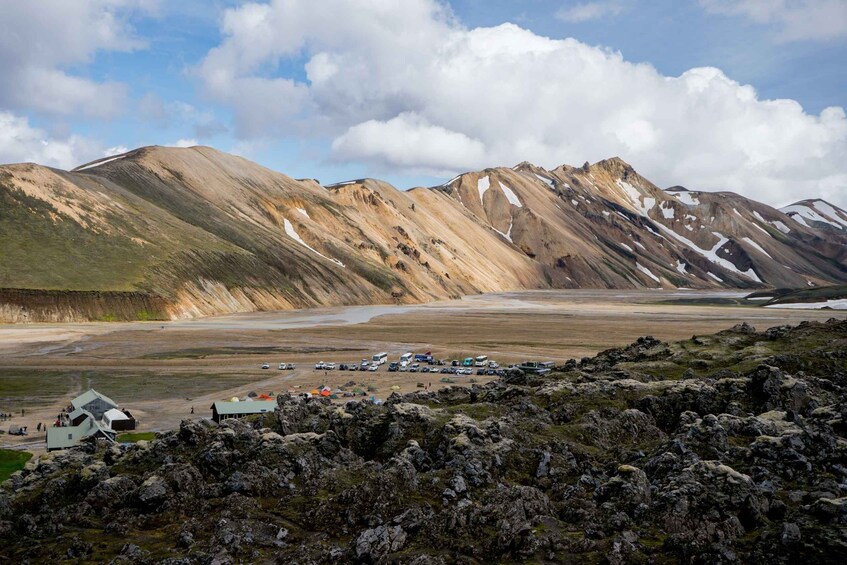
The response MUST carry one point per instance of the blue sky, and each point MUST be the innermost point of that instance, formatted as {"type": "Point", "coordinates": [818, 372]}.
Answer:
{"type": "Point", "coordinates": [333, 93]}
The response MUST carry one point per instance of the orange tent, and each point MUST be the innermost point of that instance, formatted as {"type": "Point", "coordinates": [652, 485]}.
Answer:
{"type": "Point", "coordinates": [326, 392]}
{"type": "Point", "coordinates": [315, 391]}
{"type": "Point", "coordinates": [265, 397]}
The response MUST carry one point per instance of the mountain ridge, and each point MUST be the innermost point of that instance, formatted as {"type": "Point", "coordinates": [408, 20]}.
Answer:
{"type": "Point", "coordinates": [209, 233]}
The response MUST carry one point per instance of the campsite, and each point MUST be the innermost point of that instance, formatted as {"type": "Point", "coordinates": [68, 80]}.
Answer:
{"type": "Point", "coordinates": [163, 371]}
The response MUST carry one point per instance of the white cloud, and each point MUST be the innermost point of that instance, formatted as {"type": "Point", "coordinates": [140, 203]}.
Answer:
{"type": "Point", "coordinates": [20, 142]}
{"type": "Point", "coordinates": [184, 143]}
{"type": "Point", "coordinates": [39, 41]}
{"type": "Point", "coordinates": [409, 142]}
{"type": "Point", "coordinates": [410, 89]}
{"type": "Point", "coordinates": [795, 20]}
{"type": "Point", "coordinates": [116, 150]}
{"type": "Point", "coordinates": [587, 11]}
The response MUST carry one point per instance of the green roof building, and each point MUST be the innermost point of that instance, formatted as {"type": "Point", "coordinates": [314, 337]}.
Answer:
{"type": "Point", "coordinates": [93, 402]}
{"type": "Point", "coordinates": [227, 410]}
{"type": "Point", "coordinates": [64, 437]}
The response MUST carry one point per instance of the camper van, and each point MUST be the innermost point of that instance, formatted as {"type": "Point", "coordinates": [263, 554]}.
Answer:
{"type": "Point", "coordinates": [481, 361]}
{"type": "Point", "coordinates": [467, 362]}
{"type": "Point", "coordinates": [379, 358]}
{"type": "Point", "coordinates": [405, 359]}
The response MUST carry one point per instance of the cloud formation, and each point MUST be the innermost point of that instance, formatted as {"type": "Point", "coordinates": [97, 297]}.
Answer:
{"type": "Point", "coordinates": [795, 20]}
{"type": "Point", "coordinates": [20, 142]}
{"type": "Point", "coordinates": [40, 41]}
{"type": "Point", "coordinates": [411, 90]}
{"type": "Point", "coordinates": [588, 11]}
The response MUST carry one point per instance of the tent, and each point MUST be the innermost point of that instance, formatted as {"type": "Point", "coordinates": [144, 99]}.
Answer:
{"type": "Point", "coordinates": [395, 387]}
{"type": "Point", "coordinates": [234, 399]}
{"type": "Point", "coordinates": [326, 392]}
{"type": "Point", "coordinates": [314, 392]}
{"type": "Point", "coordinates": [265, 397]}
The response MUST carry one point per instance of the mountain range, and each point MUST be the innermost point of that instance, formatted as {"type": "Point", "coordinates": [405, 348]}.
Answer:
{"type": "Point", "coordinates": [168, 233]}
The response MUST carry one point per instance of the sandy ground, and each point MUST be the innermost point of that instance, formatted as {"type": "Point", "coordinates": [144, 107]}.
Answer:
{"type": "Point", "coordinates": [160, 371]}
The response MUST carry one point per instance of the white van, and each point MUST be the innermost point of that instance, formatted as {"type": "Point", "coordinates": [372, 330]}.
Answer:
{"type": "Point", "coordinates": [379, 358]}
{"type": "Point", "coordinates": [405, 359]}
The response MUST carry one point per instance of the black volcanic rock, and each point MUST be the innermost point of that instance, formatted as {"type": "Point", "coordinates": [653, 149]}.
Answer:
{"type": "Point", "coordinates": [619, 459]}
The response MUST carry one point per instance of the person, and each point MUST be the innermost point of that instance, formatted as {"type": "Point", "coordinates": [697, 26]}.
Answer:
{"type": "Point", "coordinates": [38, 427]}
{"type": "Point", "coordinates": [192, 410]}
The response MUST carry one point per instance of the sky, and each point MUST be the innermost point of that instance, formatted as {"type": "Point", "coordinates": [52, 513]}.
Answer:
{"type": "Point", "coordinates": [740, 95]}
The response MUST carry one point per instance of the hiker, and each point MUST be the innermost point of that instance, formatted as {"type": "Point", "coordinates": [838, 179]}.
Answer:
{"type": "Point", "coordinates": [38, 428]}
{"type": "Point", "coordinates": [192, 410]}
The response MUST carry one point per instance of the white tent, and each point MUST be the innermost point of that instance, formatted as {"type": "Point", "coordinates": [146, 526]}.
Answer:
{"type": "Point", "coordinates": [113, 415]}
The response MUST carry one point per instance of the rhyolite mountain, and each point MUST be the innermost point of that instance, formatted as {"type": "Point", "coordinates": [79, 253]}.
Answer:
{"type": "Point", "coordinates": [164, 233]}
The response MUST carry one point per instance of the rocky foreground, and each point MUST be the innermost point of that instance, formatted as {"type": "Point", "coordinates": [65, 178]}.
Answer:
{"type": "Point", "coordinates": [720, 449]}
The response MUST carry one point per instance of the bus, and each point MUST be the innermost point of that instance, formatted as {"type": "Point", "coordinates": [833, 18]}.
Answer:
{"type": "Point", "coordinates": [405, 359]}
{"type": "Point", "coordinates": [424, 357]}
{"type": "Point", "coordinates": [467, 362]}
{"type": "Point", "coordinates": [481, 361]}
{"type": "Point", "coordinates": [379, 358]}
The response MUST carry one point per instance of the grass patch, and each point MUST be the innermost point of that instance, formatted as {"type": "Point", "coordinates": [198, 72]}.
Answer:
{"type": "Point", "coordinates": [24, 388]}
{"type": "Point", "coordinates": [12, 461]}
{"type": "Point", "coordinates": [136, 436]}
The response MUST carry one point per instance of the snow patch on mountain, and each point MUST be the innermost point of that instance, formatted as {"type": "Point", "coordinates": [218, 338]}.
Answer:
{"type": "Point", "coordinates": [756, 246]}
{"type": "Point", "coordinates": [838, 304]}
{"type": "Point", "coordinates": [641, 203]}
{"type": "Point", "coordinates": [545, 180]}
{"type": "Point", "coordinates": [510, 195]}
{"type": "Point", "coordinates": [482, 185]}
{"type": "Point", "coordinates": [712, 254]}
{"type": "Point", "coordinates": [292, 233]}
{"type": "Point", "coordinates": [97, 164]}
{"type": "Point", "coordinates": [689, 198]}
{"type": "Point", "coordinates": [817, 212]}
{"type": "Point", "coordinates": [647, 272]}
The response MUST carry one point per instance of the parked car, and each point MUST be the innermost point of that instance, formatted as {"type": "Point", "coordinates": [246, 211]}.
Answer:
{"type": "Point", "coordinates": [265, 366]}
{"type": "Point", "coordinates": [291, 366]}
{"type": "Point", "coordinates": [363, 367]}
{"type": "Point", "coordinates": [480, 371]}
{"type": "Point", "coordinates": [490, 372]}
{"type": "Point", "coordinates": [354, 367]}
{"type": "Point", "coordinates": [392, 367]}
{"type": "Point", "coordinates": [373, 368]}
{"type": "Point", "coordinates": [282, 366]}
{"type": "Point", "coordinates": [454, 363]}
{"type": "Point", "coordinates": [343, 367]}
{"type": "Point", "coordinates": [445, 371]}
{"type": "Point", "coordinates": [329, 366]}
{"type": "Point", "coordinates": [319, 365]}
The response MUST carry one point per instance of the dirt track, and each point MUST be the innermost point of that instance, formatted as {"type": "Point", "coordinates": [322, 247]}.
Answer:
{"type": "Point", "coordinates": [160, 371]}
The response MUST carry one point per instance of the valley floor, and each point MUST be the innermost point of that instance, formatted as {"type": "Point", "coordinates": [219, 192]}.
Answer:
{"type": "Point", "coordinates": [161, 370]}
